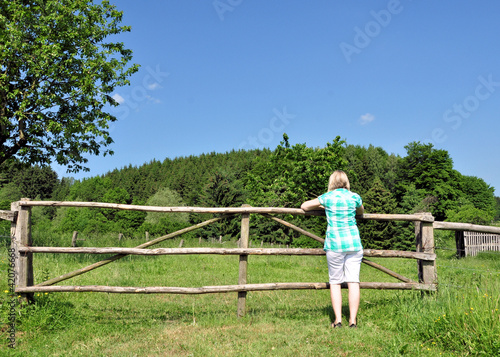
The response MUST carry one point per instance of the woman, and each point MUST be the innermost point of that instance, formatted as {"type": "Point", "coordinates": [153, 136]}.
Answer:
{"type": "Point", "coordinates": [343, 243]}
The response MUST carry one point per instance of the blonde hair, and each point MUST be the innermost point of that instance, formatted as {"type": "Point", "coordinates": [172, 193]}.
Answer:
{"type": "Point", "coordinates": [338, 179]}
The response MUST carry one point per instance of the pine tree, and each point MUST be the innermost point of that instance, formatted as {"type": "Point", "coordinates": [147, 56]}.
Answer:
{"type": "Point", "coordinates": [378, 234]}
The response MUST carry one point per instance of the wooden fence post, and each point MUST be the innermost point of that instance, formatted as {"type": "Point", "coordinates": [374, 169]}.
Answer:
{"type": "Point", "coordinates": [74, 238]}
{"type": "Point", "coordinates": [21, 230]}
{"type": "Point", "coordinates": [424, 234]}
{"type": "Point", "coordinates": [242, 278]}
{"type": "Point", "coordinates": [460, 243]}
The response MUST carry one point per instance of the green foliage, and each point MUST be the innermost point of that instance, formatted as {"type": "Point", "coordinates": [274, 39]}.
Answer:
{"type": "Point", "coordinates": [466, 212]}
{"type": "Point", "coordinates": [379, 234]}
{"type": "Point", "coordinates": [294, 174]}
{"type": "Point", "coordinates": [369, 164]}
{"type": "Point", "coordinates": [90, 190]}
{"type": "Point", "coordinates": [57, 74]}
{"type": "Point", "coordinates": [158, 223]}
{"type": "Point", "coordinates": [27, 181]}
{"type": "Point", "coordinates": [4, 225]}
{"type": "Point", "coordinates": [290, 176]}
{"type": "Point", "coordinates": [166, 197]}
{"type": "Point", "coordinates": [36, 182]}
{"type": "Point", "coordinates": [497, 209]}
{"type": "Point", "coordinates": [431, 171]}
{"type": "Point", "coordinates": [10, 192]}
{"type": "Point", "coordinates": [84, 220]}
{"type": "Point", "coordinates": [478, 193]}
{"type": "Point", "coordinates": [222, 190]}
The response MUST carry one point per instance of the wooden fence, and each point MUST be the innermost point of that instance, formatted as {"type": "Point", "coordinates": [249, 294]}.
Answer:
{"type": "Point", "coordinates": [20, 216]}
{"type": "Point", "coordinates": [471, 243]}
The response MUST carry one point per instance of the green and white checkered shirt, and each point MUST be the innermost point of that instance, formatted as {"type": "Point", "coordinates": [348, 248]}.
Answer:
{"type": "Point", "coordinates": [342, 234]}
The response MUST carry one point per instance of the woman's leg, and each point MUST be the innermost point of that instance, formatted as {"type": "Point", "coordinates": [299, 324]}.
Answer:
{"type": "Point", "coordinates": [336, 276]}
{"type": "Point", "coordinates": [336, 296]}
{"type": "Point", "coordinates": [352, 268]}
{"type": "Point", "coordinates": [354, 297]}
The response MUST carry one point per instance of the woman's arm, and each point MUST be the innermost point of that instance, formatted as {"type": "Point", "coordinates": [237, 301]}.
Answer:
{"type": "Point", "coordinates": [311, 205]}
{"type": "Point", "coordinates": [360, 210]}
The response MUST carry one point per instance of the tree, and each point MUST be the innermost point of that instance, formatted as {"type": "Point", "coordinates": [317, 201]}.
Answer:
{"type": "Point", "coordinates": [222, 190]}
{"type": "Point", "coordinates": [368, 164]}
{"type": "Point", "coordinates": [379, 234]}
{"type": "Point", "coordinates": [431, 171]}
{"type": "Point", "coordinates": [467, 212]}
{"type": "Point", "coordinates": [294, 174]}
{"type": "Point", "coordinates": [288, 177]}
{"type": "Point", "coordinates": [56, 75]}
{"type": "Point", "coordinates": [478, 193]}
{"type": "Point", "coordinates": [497, 213]}
{"type": "Point", "coordinates": [166, 197]}
{"type": "Point", "coordinates": [36, 182]}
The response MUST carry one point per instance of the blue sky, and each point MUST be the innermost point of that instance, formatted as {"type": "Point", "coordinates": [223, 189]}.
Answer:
{"type": "Point", "coordinates": [236, 74]}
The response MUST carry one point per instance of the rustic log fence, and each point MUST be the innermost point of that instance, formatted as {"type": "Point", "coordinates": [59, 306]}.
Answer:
{"type": "Point", "coordinates": [20, 217]}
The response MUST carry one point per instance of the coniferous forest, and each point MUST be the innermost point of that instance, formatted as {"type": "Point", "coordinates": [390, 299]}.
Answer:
{"type": "Point", "coordinates": [422, 181]}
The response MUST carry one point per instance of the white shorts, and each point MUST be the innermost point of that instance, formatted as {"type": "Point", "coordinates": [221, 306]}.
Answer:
{"type": "Point", "coordinates": [344, 267]}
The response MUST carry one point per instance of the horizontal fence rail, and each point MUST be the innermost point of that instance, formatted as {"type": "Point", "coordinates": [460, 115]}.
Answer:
{"type": "Point", "coordinates": [223, 210]}
{"type": "Point", "coordinates": [8, 215]}
{"type": "Point", "coordinates": [219, 288]}
{"type": "Point", "coordinates": [222, 251]}
{"type": "Point", "coordinates": [453, 226]}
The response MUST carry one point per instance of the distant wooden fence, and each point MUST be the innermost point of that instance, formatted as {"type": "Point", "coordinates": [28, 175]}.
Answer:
{"type": "Point", "coordinates": [20, 216]}
{"type": "Point", "coordinates": [471, 243]}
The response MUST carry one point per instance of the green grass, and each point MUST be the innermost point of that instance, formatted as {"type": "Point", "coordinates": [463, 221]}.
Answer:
{"type": "Point", "coordinates": [462, 319]}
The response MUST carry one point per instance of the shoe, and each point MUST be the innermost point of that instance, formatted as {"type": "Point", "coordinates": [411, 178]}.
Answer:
{"type": "Point", "coordinates": [353, 326]}
{"type": "Point", "coordinates": [334, 325]}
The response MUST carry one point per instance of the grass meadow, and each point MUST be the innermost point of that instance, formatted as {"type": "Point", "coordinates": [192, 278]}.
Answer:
{"type": "Point", "coordinates": [462, 319]}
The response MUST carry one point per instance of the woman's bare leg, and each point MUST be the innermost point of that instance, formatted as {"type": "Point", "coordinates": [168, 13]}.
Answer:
{"type": "Point", "coordinates": [354, 298]}
{"type": "Point", "coordinates": [336, 297]}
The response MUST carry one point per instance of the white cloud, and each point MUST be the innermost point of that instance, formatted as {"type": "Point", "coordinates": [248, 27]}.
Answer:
{"type": "Point", "coordinates": [118, 98]}
{"type": "Point", "coordinates": [366, 118]}
{"type": "Point", "coordinates": [154, 86]}
{"type": "Point", "coordinates": [153, 99]}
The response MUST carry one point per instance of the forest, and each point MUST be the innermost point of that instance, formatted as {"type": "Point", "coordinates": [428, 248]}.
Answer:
{"type": "Point", "coordinates": [422, 181]}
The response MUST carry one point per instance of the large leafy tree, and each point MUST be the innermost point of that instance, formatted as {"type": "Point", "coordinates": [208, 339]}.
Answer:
{"type": "Point", "coordinates": [431, 171]}
{"type": "Point", "coordinates": [478, 193]}
{"type": "Point", "coordinates": [57, 73]}
{"type": "Point", "coordinates": [293, 174]}
{"type": "Point", "coordinates": [368, 164]}
{"type": "Point", "coordinates": [288, 177]}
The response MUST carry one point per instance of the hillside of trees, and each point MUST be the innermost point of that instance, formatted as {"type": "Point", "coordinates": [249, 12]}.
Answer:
{"type": "Point", "coordinates": [422, 181]}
